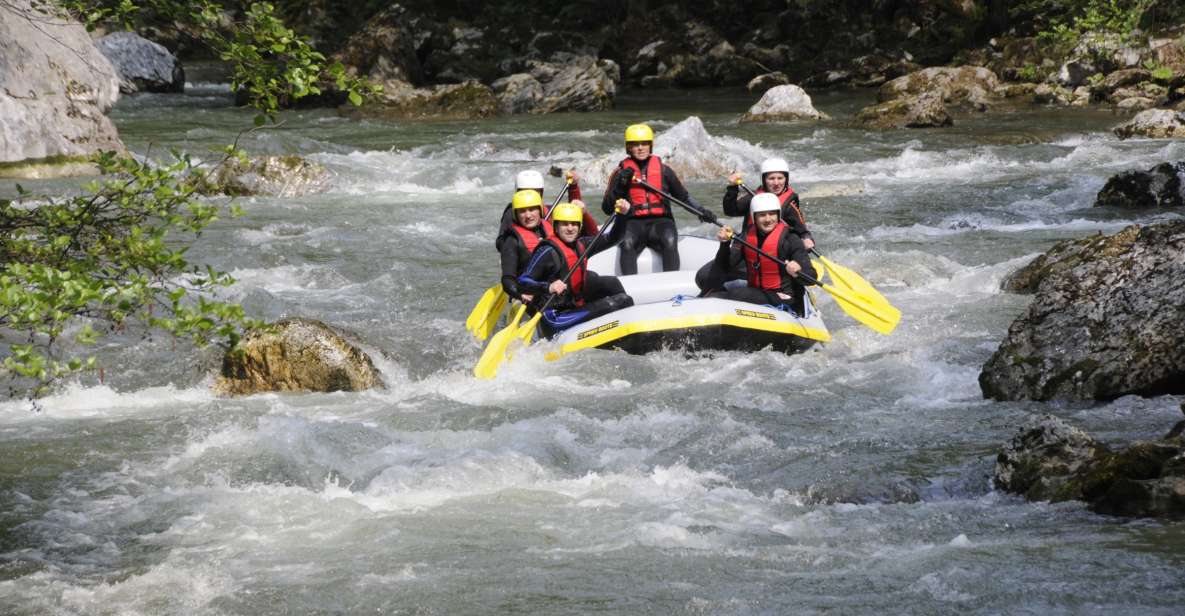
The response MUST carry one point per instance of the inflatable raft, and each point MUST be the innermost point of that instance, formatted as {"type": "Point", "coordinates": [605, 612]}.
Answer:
{"type": "Point", "coordinates": [668, 314]}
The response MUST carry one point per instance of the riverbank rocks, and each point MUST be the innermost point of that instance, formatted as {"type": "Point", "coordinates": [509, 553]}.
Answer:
{"type": "Point", "coordinates": [762, 83]}
{"type": "Point", "coordinates": [1110, 325]}
{"type": "Point", "coordinates": [1050, 460]}
{"type": "Point", "coordinates": [401, 100]}
{"type": "Point", "coordinates": [971, 87]}
{"type": "Point", "coordinates": [1154, 123]}
{"type": "Point", "coordinates": [296, 355]}
{"type": "Point", "coordinates": [55, 91]}
{"type": "Point", "coordinates": [278, 176]}
{"type": "Point", "coordinates": [1159, 186]}
{"type": "Point", "coordinates": [383, 50]}
{"type": "Point", "coordinates": [926, 111]}
{"type": "Point", "coordinates": [781, 103]}
{"type": "Point", "coordinates": [143, 66]}
{"type": "Point", "coordinates": [576, 83]}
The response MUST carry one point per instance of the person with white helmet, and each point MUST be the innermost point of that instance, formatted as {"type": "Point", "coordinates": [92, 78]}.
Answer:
{"type": "Point", "coordinates": [768, 281]}
{"type": "Point", "coordinates": [586, 295]}
{"type": "Point", "coordinates": [650, 223]}
{"type": "Point", "coordinates": [533, 180]}
{"type": "Point", "coordinates": [775, 180]}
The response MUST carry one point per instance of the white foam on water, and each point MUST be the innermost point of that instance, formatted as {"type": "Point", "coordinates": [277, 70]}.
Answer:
{"type": "Point", "coordinates": [84, 402]}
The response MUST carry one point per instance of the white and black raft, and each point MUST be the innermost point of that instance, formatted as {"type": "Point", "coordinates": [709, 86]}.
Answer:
{"type": "Point", "coordinates": [668, 314]}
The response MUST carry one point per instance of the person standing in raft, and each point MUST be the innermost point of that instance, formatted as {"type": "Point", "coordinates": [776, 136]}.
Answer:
{"type": "Point", "coordinates": [533, 180]}
{"type": "Point", "coordinates": [586, 295]}
{"type": "Point", "coordinates": [650, 224]}
{"type": "Point", "coordinates": [768, 282]}
{"type": "Point", "coordinates": [775, 180]}
{"type": "Point", "coordinates": [520, 238]}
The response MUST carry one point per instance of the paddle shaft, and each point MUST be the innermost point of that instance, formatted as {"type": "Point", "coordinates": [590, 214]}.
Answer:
{"type": "Point", "coordinates": [563, 191]}
{"type": "Point", "coordinates": [710, 217]}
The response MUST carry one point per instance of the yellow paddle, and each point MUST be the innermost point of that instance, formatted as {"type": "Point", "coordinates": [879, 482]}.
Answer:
{"type": "Point", "coordinates": [493, 356]}
{"type": "Point", "coordinates": [847, 279]}
{"type": "Point", "coordinates": [882, 318]}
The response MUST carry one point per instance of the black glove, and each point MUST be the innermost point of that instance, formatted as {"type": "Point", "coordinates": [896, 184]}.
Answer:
{"type": "Point", "coordinates": [706, 216]}
{"type": "Point", "coordinates": [624, 177]}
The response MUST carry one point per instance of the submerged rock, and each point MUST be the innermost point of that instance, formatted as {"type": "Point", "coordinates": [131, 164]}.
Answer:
{"type": "Point", "coordinates": [280, 176]}
{"type": "Point", "coordinates": [1111, 325]}
{"type": "Point", "coordinates": [1159, 186]}
{"type": "Point", "coordinates": [926, 111]}
{"type": "Point", "coordinates": [55, 91]}
{"type": "Point", "coordinates": [142, 64]}
{"type": "Point", "coordinates": [297, 355]}
{"type": "Point", "coordinates": [1154, 123]}
{"type": "Point", "coordinates": [1050, 460]}
{"type": "Point", "coordinates": [779, 103]}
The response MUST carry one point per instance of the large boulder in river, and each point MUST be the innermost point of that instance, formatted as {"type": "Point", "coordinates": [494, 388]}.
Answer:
{"type": "Point", "coordinates": [1050, 460]}
{"type": "Point", "coordinates": [1159, 186]}
{"type": "Point", "coordinates": [1067, 255]}
{"type": "Point", "coordinates": [964, 86]}
{"type": "Point", "coordinates": [1109, 326]}
{"type": "Point", "coordinates": [925, 111]}
{"type": "Point", "coordinates": [788, 102]}
{"type": "Point", "coordinates": [296, 355]}
{"type": "Point", "coordinates": [142, 64]}
{"type": "Point", "coordinates": [278, 176]}
{"type": "Point", "coordinates": [1154, 123]}
{"type": "Point", "coordinates": [55, 89]}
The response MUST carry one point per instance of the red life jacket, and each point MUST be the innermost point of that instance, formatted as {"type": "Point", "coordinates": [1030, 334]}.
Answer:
{"type": "Point", "coordinates": [645, 202]}
{"type": "Point", "coordinates": [764, 273]}
{"type": "Point", "coordinates": [529, 237]}
{"type": "Point", "coordinates": [783, 199]}
{"type": "Point", "coordinates": [576, 280]}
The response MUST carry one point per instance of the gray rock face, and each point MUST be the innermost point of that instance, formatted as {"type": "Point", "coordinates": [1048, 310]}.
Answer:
{"type": "Point", "coordinates": [696, 56]}
{"type": "Point", "coordinates": [518, 93]}
{"type": "Point", "coordinates": [299, 355]}
{"type": "Point", "coordinates": [1051, 460]}
{"type": "Point", "coordinates": [1107, 327]}
{"type": "Point", "coordinates": [1067, 255]}
{"type": "Point", "coordinates": [780, 103]}
{"type": "Point", "coordinates": [575, 83]}
{"type": "Point", "coordinates": [1039, 461]}
{"type": "Point", "coordinates": [142, 64]}
{"type": "Point", "coordinates": [384, 49]}
{"type": "Point", "coordinates": [55, 88]}
{"type": "Point", "coordinates": [1154, 123]}
{"type": "Point", "coordinates": [926, 111]}
{"type": "Point", "coordinates": [1159, 186]}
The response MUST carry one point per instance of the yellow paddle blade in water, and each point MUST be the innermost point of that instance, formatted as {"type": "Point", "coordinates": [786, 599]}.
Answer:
{"type": "Point", "coordinates": [495, 352]}
{"type": "Point", "coordinates": [484, 317]}
{"type": "Point", "coordinates": [882, 318]}
{"type": "Point", "coordinates": [527, 331]}
{"type": "Point", "coordinates": [854, 284]}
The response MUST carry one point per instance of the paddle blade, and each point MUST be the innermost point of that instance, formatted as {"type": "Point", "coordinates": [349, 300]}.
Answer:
{"type": "Point", "coordinates": [481, 310]}
{"type": "Point", "coordinates": [881, 318]}
{"type": "Point", "coordinates": [854, 284]}
{"type": "Point", "coordinates": [495, 352]}
{"type": "Point", "coordinates": [527, 331]}
{"type": "Point", "coordinates": [491, 322]}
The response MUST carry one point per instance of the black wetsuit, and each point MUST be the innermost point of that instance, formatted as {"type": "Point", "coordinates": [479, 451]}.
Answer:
{"type": "Point", "coordinates": [734, 205]}
{"type": "Point", "coordinates": [656, 232]}
{"type": "Point", "coordinates": [515, 257]}
{"type": "Point", "coordinates": [601, 294]}
{"type": "Point", "coordinates": [729, 258]}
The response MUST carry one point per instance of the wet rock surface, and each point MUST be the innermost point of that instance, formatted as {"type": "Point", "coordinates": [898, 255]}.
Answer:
{"type": "Point", "coordinates": [788, 102]}
{"type": "Point", "coordinates": [279, 176]}
{"type": "Point", "coordinates": [1110, 325]}
{"type": "Point", "coordinates": [1049, 459]}
{"type": "Point", "coordinates": [1154, 123]}
{"type": "Point", "coordinates": [926, 111]}
{"type": "Point", "coordinates": [1159, 186]}
{"type": "Point", "coordinates": [143, 66]}
{"type": "Point", "coordinates": [297, 355]}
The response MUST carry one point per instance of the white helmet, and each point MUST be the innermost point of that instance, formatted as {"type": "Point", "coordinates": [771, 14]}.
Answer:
{"type": "Point", "coordinates": [765, 202]}
{"type": "Point", "coordinates": [528, 179]}
{"type": "Point", "coordinates": [773, 165]}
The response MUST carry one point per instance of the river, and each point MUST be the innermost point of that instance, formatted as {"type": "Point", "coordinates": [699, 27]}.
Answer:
{"type": "Point", "coordinates": [851, 479]}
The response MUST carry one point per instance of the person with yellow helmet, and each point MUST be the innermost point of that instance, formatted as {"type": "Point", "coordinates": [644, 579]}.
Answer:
{"type": "Point", "coordinates": [775, 179]}
{"type": "Point", "coordinates": [768, 282]}
{"type": "Point", "coordinates": [533, 180]}
{"type": "Point", "coordinates": [527, 229]}
{"type": "Point", "coordinates": [586, 295]}
{"type": "Point", "coordinates": [650, 222]}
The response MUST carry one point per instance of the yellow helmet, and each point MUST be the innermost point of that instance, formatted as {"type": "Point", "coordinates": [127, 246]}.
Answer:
{"type": "Point", "coordinates": [524, 199]}
{"type": "Point", "coordinates": [638, 132]}
{"type": "Point", "coordinates": [568, 212]}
